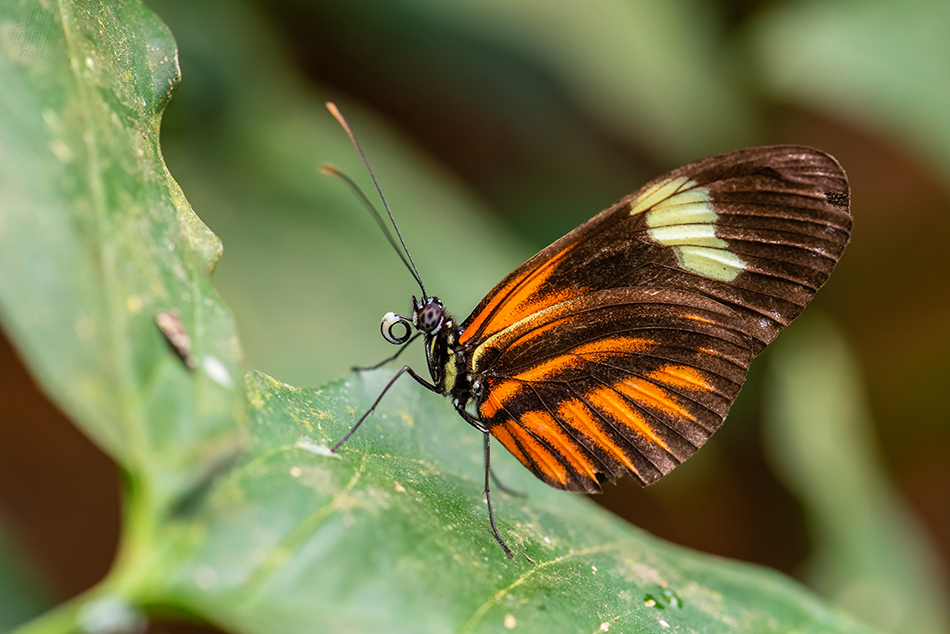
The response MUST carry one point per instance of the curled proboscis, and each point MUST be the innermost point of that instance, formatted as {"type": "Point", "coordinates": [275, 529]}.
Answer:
{"type": "Point", "coordinates": [391, 321]}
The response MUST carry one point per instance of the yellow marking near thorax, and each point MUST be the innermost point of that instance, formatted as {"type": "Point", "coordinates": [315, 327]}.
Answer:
{"type": "Point", "coordinates": [451, 371]}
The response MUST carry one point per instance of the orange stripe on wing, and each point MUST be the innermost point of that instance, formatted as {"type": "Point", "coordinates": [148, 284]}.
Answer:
{"type": "Point", "coordinates": [681, 376]}
{"type": "Point", "coordinates": [615, 345]}
{"type": "Point", "coordinates": [545, 369]}
{"type": "Point", "coordinates": [504, 390]}
{"type": "Point", "coordinates": [543, 425]}
{"type": "Point", "coordinates": [517, 294]}
{"type": "Point", "coordinates": [499, 295]}
{"type": "Point", "coordinates": [535, 455]}
{"type": "Point", "coordinates": [579, 416]}
{"type": "Point", "coordinates": [651, 395]}
{"type": "Point", "coordinates": [504, 436]}
{"type": "Point", "coordinates": [529, 301]}
{"type": "Point", "coordinates": [609, 401]}
{"type": "Point", "coordinates": [498, 393]}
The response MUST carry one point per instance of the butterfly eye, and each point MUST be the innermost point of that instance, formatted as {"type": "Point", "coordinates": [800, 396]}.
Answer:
{"type": "Point", "coordinates": [390, 321]}
{"type": "Point", "coordinates": [430, 317]}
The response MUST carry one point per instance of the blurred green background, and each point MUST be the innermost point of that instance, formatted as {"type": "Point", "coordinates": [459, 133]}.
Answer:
{"type": "Point", "coordinates": [495, 127]}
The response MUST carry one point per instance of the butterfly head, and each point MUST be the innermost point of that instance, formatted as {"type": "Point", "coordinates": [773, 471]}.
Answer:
{"type": "Point", "coordinates": [428, 316]}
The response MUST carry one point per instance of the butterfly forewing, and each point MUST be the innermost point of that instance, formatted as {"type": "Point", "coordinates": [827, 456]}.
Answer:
{"type": "Point", "coordinates": [621, 347]}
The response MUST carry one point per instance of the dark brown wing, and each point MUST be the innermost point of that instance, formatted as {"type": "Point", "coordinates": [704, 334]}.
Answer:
{"type": "Point", "coordinates": [621, 346]}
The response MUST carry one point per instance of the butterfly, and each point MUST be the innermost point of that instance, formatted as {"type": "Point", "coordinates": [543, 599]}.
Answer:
{"type": "Point", "coordinates": [620, 348]}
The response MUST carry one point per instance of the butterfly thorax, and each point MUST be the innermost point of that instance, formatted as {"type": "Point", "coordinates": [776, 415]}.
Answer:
{"type": "Point", "coordinates": [448, 362]}
{"type": "Point", "coordinates": [446, 357]}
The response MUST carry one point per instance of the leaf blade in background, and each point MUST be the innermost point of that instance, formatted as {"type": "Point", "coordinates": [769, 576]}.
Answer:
{"type": "Point", "coordinates": [870, 556]}
{"type": "Point", "coordinates": [96, 241]}
{"type": "Point", "coordinates": [249, 161]}
{"type": "Point", "coordinates": [872, 62]}
{"type": "Point", "coordinates": [641, 67]}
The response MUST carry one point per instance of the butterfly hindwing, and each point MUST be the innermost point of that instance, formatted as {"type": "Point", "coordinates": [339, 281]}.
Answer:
{"type": "Point", "coordinates": [621, 347]}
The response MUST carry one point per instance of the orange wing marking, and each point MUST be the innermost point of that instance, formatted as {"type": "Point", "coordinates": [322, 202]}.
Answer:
{"type": "Point", "coordinates": [543, 425]}
{"type": "Point", "coordinates": [541, 330]}
{"type": "Point", "coordinates": [500, 392]}
{"type": "Point", "coordinates": [609, 401]}
{"type": "Point", "coordinates": [504, 436]}
{"type": "Point", "coordinates": [534, 453]}
{"type": "Point", "coordinates": [681, 376]}
{"type": "Point", "coordinates": [543, 370]}
{"type": "Point", "coordinates": [518, 294]}
{"type": "Point", "coordinates": [497, 395]}
{"type": "Point", "coordinates": [578, 416]}
{"type": "Point", "coordinates": [650, 395]}
{"type": "Point", "coordinates": [588, 351]}
{"type": "Point", "coordinates": [615, 345]}
{"type": "Point", "coordinates": [530, 303]}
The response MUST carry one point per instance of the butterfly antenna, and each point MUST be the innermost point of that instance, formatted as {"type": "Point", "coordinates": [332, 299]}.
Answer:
{"type": "Point", "coordinates": [329, 170]}
{"type": "Point", "coordinates": [411, 265]}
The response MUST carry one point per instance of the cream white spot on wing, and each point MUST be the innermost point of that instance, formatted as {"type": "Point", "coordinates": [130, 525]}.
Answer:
{"type": "Point", "coordinates": [680, 215]}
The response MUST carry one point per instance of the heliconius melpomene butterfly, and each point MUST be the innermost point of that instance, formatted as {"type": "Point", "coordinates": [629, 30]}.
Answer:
{"type": "Point", "coordinates": [621, 347]}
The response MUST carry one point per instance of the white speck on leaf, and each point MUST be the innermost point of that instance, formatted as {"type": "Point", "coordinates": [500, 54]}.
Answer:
{"type": "Point", "coordinates": [308, 445]}
{"type": "Point", "coordinates": [217, 371]}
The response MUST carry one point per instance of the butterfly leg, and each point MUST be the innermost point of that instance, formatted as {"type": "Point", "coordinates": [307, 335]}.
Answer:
{"type": "Point", "coordinates": [359, 368]}
{"type": "Point", "coordinates": [405, 369]}
{"type": "Point", "coordinates": [491, 513]}
{"type": "Point", "coordinates": [477, 424]}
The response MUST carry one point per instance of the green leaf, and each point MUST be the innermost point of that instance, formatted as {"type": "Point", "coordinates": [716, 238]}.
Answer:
{"type": "Point", "coordinates": [870, 555]}
{"type": "Point", "coordinates": [393, 535]}
{"type": "Point", "coordinates": [649, 69]}
{"type": "Point", "coordinates": [97, 240]}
